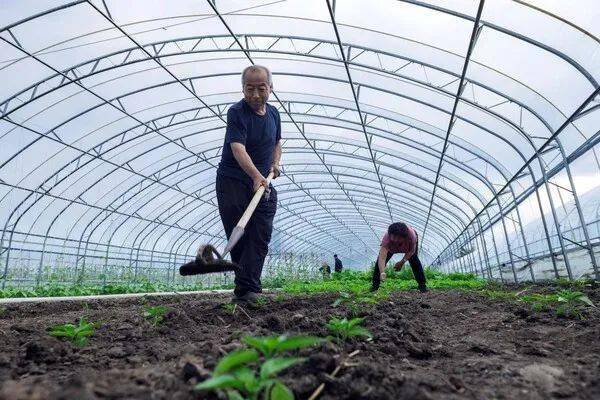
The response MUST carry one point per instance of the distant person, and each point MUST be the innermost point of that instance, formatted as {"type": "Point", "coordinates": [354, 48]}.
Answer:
{"type": "Point", "coordinates": [325, 270]}
{"type": "Point", "coordinates": [399, 238]}
{"type": "Point", "coordinates": [338, 263]}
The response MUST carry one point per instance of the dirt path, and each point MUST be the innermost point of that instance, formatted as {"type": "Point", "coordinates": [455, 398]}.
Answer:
{"type": "Point", "coordinates": [445, 344]}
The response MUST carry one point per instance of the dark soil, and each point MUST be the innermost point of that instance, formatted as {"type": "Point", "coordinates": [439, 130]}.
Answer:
{"type": "Point", "coordinates": [439, 345]}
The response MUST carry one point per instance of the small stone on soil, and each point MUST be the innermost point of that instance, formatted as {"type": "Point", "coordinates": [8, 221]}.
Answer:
{"type": "Point", "coordinates": [542, 375]}
{"type": "Point", "coordinates": [418, 350]}
{"type": "Point", "coordinates": [117, 352]}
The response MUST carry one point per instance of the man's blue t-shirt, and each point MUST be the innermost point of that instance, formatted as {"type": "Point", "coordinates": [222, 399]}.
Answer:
{"type": "Point", "coordinates": [259, 133]}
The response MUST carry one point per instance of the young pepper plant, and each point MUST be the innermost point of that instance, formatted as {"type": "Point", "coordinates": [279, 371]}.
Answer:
{"type": "Point", "coordinates": [344, 329]}
{"type": "Point", "coordinates": [236, 375]}
{"type": "Point", "coordinates": [77, 334]}
{"type": "Point", "coordinates": [245, 375]}
{"type": "Point", "coordinates": [155, 314]}
{"type": "Point", "coordinates": [268, 346]}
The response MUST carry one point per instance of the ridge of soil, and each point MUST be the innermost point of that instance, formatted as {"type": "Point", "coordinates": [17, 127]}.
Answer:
{"type": "Point", "coordinates": [439, 345]}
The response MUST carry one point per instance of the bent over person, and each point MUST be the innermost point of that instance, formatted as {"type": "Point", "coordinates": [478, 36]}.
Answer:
{"type": "Point", "coordinates": [251, 150]}
{"type": "Point", "coordinates": [399, 238]}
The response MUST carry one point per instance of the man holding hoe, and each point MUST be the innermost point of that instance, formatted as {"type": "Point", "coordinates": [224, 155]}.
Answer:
{"type": "Point", "coordinates": [399, 238]}
{"type": "Point", "coordinates": [251, 150]}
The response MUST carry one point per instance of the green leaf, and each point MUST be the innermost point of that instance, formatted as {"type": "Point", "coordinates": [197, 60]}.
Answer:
{"type": "Point", "coordinates": [235, 359]}
{"type": "Point", "coordinates": [61, 331]}
{"type": "Point", "coordinates": [220, 382]}
{"type": "Point", "coordinates": [584, 299]}
{"type": "Point", "coordinates": [267, 386]}
{"type": "Point", "coordinates": [80, 341]}
{"type": "Point", "coordinates": [281, 392]}
{"type": "Point", "coordinates": [234, 395]}
{"type": "Point", "coordinates": [248, 378]}
{"type": "Point", "coordinates": [360, 331]}
{"type": "Point", "coordinates": [355, 321]}
{"type": "Point", "coordinates": [275, 365]}
{"type": "Point", "coordinates": [258, 343]}
{"type": "Point", "coordinates": [297, 342]}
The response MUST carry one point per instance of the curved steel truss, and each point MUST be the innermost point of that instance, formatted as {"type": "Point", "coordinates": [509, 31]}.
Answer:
{"type": "Point", "coordinates": [112, 129]}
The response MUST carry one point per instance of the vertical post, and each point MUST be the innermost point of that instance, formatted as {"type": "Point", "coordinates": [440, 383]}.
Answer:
{"type": "Point", "coordinates": [579, 210]}
{"type": "Point", "coordinates": [508, 246]}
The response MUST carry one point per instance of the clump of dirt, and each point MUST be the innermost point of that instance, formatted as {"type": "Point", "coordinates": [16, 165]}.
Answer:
{"type": "Point", "coordinates": [438, 345]}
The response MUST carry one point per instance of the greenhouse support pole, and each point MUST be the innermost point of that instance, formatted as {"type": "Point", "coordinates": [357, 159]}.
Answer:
{"type": "Point", "coordinates": [558, 230]}
{"type": "Point", "coordinates": [479, 253]}
{"type": "Point", "coordinates": [508, 246]}
{"type": "Point", "coordinates": [527, 254]}
{"type": "Point", "coordinates": [547, 232]}
{"type": "Point", "coordinates": [579, 211]}
{"type": "Point", "coordinates": [485, 249]}
{"type": "Point", "coordinates": [498, 263]}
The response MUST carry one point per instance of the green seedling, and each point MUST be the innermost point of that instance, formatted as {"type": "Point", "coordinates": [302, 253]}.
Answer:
{"type": "Point", "coordinates": [357, 302]}
{"type": "Point", "coordinates": [345, 297]}
{"type": "Point", "coordinates": [344, 329]}
{"type": "Point", "coordinates": [569, 297]}
{"type": "Point", "coordinates": [155, 314]}
{"type": "Point", "coordinates": [260, 302]}
{"type": "Point", "coordinates": [499, 294]}
{"type": "Point", "coordinates": [269, 346]}
{"type": "Point", "coordinates": [572, 304]}
{"type": "Point", "coordinates": [76, 334]}
{"type": "Point", "coordinates": [279, 298]}
{"type": "Point", "coordinates": [349, 299]}
{"type": "Point", "coordinates": [230, 307]}
{"type": "Point", "coordinates": [244, 375]}
{"type": "Point", "coordinates": [566, 303]}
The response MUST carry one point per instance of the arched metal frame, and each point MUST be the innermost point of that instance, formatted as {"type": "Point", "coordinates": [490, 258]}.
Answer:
{"type": "Point", "coordinates": [324, 203]}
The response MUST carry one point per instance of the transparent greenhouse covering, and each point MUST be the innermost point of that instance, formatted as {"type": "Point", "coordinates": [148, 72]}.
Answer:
{"type": "Point", "coordinates": [475, 122]}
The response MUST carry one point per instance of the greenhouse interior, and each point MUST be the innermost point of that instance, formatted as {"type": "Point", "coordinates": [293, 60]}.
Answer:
{"type": "Point", "coordinates": [299, 199]}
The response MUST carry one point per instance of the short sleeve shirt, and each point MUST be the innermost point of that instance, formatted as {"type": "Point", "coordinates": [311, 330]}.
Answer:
{"type": "Point", "coordinates": [405, 245]}
{"type": "Point", "coordinates": [259, 133]}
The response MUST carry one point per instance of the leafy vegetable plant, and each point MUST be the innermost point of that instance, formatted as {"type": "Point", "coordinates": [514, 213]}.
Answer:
{"type": "Point", "coordinates": [77, 334]}
{"type": "Point", "coordinates": [344, 329]}
{"type": "Point", "coordinates": [155, 314]}
{"type": "Point", "coordinates": [269, 346]}
{"type": "Point", "coordinates": [246, 374]}
{"type": "Point", "coordinates": [571, 303]}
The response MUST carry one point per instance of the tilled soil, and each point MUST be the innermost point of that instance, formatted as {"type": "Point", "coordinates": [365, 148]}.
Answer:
{"type": "Point", "coordinates": [438, 345]}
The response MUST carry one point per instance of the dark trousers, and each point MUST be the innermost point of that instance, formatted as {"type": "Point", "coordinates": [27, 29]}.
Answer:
{"type": "Point", "coordinates": [233, 196]}
{"type": "Point", "coordinates": [338, 266]}
{"type": "Point", "coordinates": [415, 264]}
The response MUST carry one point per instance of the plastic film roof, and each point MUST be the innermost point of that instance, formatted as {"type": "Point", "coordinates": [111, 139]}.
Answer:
{"type": "Point", "coordinates": [443, 114]}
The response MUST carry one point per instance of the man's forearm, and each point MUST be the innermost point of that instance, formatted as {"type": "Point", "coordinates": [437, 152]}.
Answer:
{"type": "Point", "coordinates": [244, 160]}
{"type": "Point", "coordinates": [277, 154]}
{"type": "Point", "coordinates": [381, 264]}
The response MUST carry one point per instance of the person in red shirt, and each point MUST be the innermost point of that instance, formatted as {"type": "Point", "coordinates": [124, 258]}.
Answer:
{"type": "Point", "coordinates": [400, 238]}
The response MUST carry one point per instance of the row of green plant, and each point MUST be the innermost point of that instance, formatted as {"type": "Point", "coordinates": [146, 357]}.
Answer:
{"type": "Point", "coordinates": [60, 290]}
{"type": "Point", "coordinates": [564, 302]}
{"type": "Point", "coordinates": [79, 333]}
{"type": "Point", "coordinates": [353, 288]}
{"type": "Point", "coordinates": [360, 281]}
